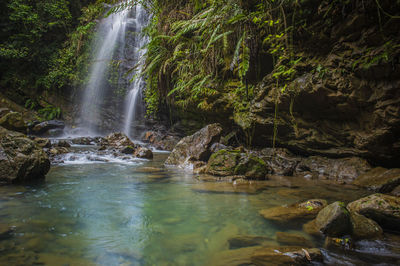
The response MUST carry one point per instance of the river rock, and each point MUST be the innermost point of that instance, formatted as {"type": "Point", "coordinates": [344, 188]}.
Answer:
{"type": "Point", "coordinates": [334, 220]}
{"type": "Point", "coordinates": [229, 163]}
{"type": "Point", "coordinates": [128, 150]}
{"type": "Point", "coordinates": [195, 147]}
{"type": "Point", "coordinates": [396, 191]}
{"type": "Point", "coordinates": [311, 228]}
{"type": "Point", "coordinates": [298, 211]}
{"type": "Point", "coordinates": [161, 141]}
{"type": "Point", "coordinates": [343, 170]}
{"type": "Point", "coordinates": [63, 143]}
{"type": "Point", "coordinates": [293, 240]}
{"type": "Point", "coordinates": [144, 153]}
{"type": "Point", "coordinates": [45, 126]}
{"type": "Point", "coordinates": [280, 160]}
{"type": "Point", "coordinates": [118, 140]}
{"type": "Point", "coordinates": [364, 228]}
{"type": "Point", "coordinates": [379, 179]}
{"type": "Point", "coordinates": [20, 158]}
{"type": "Point", "coordinates": [286, 256]}
{"type": "Point", "coordinates": [4, 111]}
{"type": "Point", "coordinates": [42, 142]}
{"type": "Point", "coordinates": [13, 121]}
{"type": "Point", "coordinates": [383, 209]}
{"type": "Point", "coordinates": [83, 141]}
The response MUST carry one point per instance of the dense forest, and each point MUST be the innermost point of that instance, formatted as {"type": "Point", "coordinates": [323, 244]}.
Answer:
{"type": "Point", "coordinates": [284, 113]}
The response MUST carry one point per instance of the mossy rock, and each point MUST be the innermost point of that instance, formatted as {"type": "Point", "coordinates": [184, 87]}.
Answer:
{"type": "Point", "coordinates": [13, 121]}
{"type": "Point", "coordinates": [223, 163]}
{"type": "Point", "coordinates": [252, 167]}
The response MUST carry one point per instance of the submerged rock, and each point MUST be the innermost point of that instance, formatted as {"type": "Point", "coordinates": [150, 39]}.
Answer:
{"type": "Point", "coordinates": [196, 147]}
{"type": "Point", "coordinates": [45, 126]}
{"type": "Point", "coordinates": [383, 209]}
{"type": "Point", "coordinates": [379, 179]}
{"type": "Point", "coordinates": [286, 256]}
{"type": "Point", "coordinates": [20, 158]}
{"type": "Point", "coordinates": [293, 240]}
{"type": "Point", "coordinates": [298, 211]}
{"type": "Point", "coordinates": [13, 121]}
{"type": "Point", "coordinates": [334, 220]}
{"type": "Point", "coordinates": [242, 241]}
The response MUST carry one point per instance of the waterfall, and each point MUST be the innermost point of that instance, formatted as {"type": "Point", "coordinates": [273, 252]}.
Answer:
{"type": "Point", "coordinates": [109, 30]}
{"type": "Point", "coordinates": [112, 100]}
{"type": "Point", "coordinates": [132, 102]}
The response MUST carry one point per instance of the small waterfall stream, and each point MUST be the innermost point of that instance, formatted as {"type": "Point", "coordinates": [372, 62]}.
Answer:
{"type": "Point", "coordinates": [132, 101]}
{"type": "Point", "coordinates": [112, 100]}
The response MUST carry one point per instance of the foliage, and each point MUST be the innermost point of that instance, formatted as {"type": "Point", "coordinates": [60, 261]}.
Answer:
{"type": "Point", "coordinates": [45, 110]}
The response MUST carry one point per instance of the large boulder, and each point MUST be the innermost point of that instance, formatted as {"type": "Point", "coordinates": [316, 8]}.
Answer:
{"type": "Point", "coordinates": [44, 127]}
{"type": "Point", "coordinates": [280, 160]}
{"type": "Point", "coordinates": [379, 179]}
{"type": "Point", "coordinates": [229, 163]}
{"type": "Point", "coordinates": [143, 153]}
{"type": "Point", "coordinates": [334, 220]}
{"type": "Point", "coordinates": [161, 141]}
{"type": "Point", "coordinates": [343, 170]}
{"type": "Point", "coordinates": [21, 159]}
{"type": "Point", "coordinates": [383, 209]}
{"type": "Point", "coordinates": [13, 121]}
{"type": "Point", "coordinates": [298, 211]}
{"type": "Point", "coordinates": [196, 147]}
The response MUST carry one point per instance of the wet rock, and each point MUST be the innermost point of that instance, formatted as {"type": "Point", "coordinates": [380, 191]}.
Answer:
{"type": "Point", "coordinates": [340, 170]}
{"type": "Point", "coordinates": [196, 147]}
{"type": "Point", "coordinates": [42, 142]}
{"type": "Point", "coordinates": [280, 160]}
{"type": "Point", "coordinates": [298, 211]}
{"type": "Point", "coordinates": [396, 191]}
{"type": "Point", "coordinates": [311, 229]}
{"type": "Point", "coordinates": [161, 141]}
{"type": "Point", "coordinates": [4, 111]}
{"type": "Point", "coordinates": [82, 141]}
{"type": "Point", "coordinates": [286, 256]}
{"type": "Point", "coordinates": [58, 150]}
{"type": "Point", "coordinates": [128, 150]}
{"type": "Point", "coordinates": [243, 241]}
{"type": "Point", "coordinates": [343, 243]}
{"type": "Point", "coordinates": [13, 121]}
{"type": "Point", "coordinates": [293, 240]}
{"type": "Point", "coordinates": [144, 153]}
{"type": "Point", "coordinates": [364, 228]}
{"type": "Point", "coordinates": [118, 140]}
{"type": "Point", "coordinates": [228, 163]}
{"type": "Point", "coordinates": [383, 209]}
{"type": "Point", "coordinates": [379, 179]}
{"type": "Point", "coordinates": [63, 143]}
{"type": "Point", "coordinates": [45, 126]}
{"type": "Point", "coordinates": [5, 231]}
{"type": "Point", "coordinates": [334, 220]}
{"type": "Point", "coordinates": [21, 159]}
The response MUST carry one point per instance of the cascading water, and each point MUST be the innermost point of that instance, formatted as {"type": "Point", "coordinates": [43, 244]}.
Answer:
{"type": "Point", "coordinates": [132, 101]}
{"type": "Point", "coordinates": [111, 102]}
{"type": "Point", "coordinates": [109, 31]}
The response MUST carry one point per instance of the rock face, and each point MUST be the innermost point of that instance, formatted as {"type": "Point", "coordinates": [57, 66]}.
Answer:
{"type": "Point", "coordinates": [379, 179]}
{"type": "Point", "coordinates": [195, 147]}
{"type": "Point", "coordinates": [383, 209]}
{"type": "Point", "coordinates": [21, 160]}
{"type": "Point", "coordinates": [334, 220]}
{"type": "Point", "coordinates": [298, 211]}
{"type": "Point", "coordinates": [230, 163]}
{"type": "Point", "coordinates": [45, 126]}
{"type": "Point", "coordinates": [13, 121]}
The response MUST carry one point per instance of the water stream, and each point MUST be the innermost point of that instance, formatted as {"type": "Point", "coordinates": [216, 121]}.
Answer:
{"type": "Point", "coordinates": [138, 212]}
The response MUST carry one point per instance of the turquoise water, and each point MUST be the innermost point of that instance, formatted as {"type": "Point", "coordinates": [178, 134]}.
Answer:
{"type": "Point", "coordinates": [139, 213]}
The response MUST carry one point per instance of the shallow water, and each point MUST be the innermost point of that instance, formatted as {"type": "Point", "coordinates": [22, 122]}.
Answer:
{"type": "Point", "coordinates": [141, 213]}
